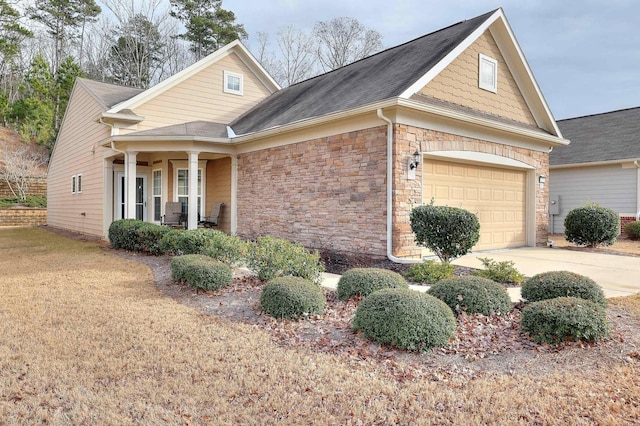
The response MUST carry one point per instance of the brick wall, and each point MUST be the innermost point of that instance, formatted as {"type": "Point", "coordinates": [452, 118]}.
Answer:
{"type": "Point", "coordinates": [37, 186]}
{"type": "Point", "coordinates": [327, 193]}
{"type": "Point", "coordinates": [624, 220]}
{"type": "Point", "coordinates": [23, 216]}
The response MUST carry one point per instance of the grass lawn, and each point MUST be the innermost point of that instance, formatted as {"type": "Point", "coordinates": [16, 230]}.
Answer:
{"type": "Point", "coordinates": [87, 338]}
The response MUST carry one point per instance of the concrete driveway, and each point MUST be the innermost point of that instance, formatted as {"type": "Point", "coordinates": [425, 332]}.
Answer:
{"type": "Point", "coordinates": [618, 275]}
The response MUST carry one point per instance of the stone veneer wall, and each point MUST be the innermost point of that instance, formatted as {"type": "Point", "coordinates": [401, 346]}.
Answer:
{"type": "Point", "coordinates": [23, 216]}
{"type": "Point", "coordinates": [330, 193]}
{"type": "Point", "coordinates": [408, 139]}
{"type": "Point", "coordinates": [327, 193]}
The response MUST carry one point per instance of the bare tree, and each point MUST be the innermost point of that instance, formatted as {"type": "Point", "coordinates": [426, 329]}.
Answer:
{"type": "Point", "coordinates": [294, 60]}
{"type": "Point", "coordinates": [297, 55]}
{"type": "Point", "coordinates": [19, 165]}
{"type": "Point", "coordinates": [342, 41]}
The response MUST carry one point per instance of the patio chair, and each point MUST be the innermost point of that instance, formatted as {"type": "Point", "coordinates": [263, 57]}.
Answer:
{"type": "Point", "coordinates": [212, 220]}
{"type": "Point", "coordinates": [173, 215]}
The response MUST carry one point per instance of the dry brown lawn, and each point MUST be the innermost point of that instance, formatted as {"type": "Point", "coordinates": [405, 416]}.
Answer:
{"type": "Point", "coordinates": [87, 338]}
{"type": "Point", "coordinates": [622, 245]}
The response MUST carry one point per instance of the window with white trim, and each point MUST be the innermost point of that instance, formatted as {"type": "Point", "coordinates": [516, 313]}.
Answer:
{"type": "Point", "coordinates": [183, 189]}
{"type": "Point", "coordinates": [78, 184]}
{"type": "Point", "coordinates": [73, 184]}
{"type": "Point", "coordinates": [488, 73]}
{"type": "Point", "coordinates": [157, 195]}
{"type": "Point", "coordinates": [233, 83]}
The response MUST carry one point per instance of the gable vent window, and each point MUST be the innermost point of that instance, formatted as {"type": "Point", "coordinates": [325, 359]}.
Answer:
{"type": "Point", "coordinates": [233, 83]}
{"type": "Point", "coordinates": [488, 75]}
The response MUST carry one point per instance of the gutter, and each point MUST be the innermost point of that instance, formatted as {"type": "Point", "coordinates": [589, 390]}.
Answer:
{"type": "Point", "coordinates": [637, 190]}
{"type": "Point", "coordinates": [390, 255]}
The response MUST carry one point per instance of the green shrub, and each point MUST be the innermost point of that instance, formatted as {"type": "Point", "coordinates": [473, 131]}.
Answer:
{"type": "Point", "coordinates": [207, 274]}
{"type": "Point", "coordinates": [292, 298]}
{"type": "Point", "coordinates": [429, 272]}
{"type": "Point", "coordinates": [180, 241]}
{"type": "Point", "coordinates": [473, 295]}
{"type": "Point", "coordinates": [449, 232]}
{"type": "Point", "coordinates": [228, 249]}
{"type": "Point", "coordinates": [405, 318]}
{"type": "Point", "coordinates": [500, 272]}
{"type": "Point", "coordinates": [271, 257]}
{"type": "Point", "coordinates": [632, 230]}
{"type": "Point", "coordinates": [38, 201]}
{"type": "Point", "coordinates": [549, 285]}
{"type": "Point", "coordinates": [364, 281]}
{"type": "Point", "coordinates": [179, 264]}
{"type": "Point", "coordinates": [591, 225]}
{"type": "Point", "coordinates": [123, 234]}
{"type": "Point", "coordinates": [149, 236]}
{"type": "Point", "coordinates": [564, 318]}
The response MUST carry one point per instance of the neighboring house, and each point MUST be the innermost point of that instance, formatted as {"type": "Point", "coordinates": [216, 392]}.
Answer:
{"type": "Point", "coordinates": [602, 165]}
{"type": "Point", "coordinates": [329, 162]}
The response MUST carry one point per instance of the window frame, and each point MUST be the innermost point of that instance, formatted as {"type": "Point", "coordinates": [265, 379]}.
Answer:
{"type": "Point", "coordinates": [156, 214]}
{"type": "Point", "coordinates": [486, 63]}
{"type": "Point", "coordinates": [227, 89]}
{"type": "Point", "coordinates": [79, 183]}
{"type": "Point", "coordinates": [73, 184]}
{"type": "Point", "coordinates": [201, 187]}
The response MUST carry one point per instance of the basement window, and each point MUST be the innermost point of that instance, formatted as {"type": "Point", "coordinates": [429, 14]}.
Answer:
{"type": "Point", "coordinates": [488, 74]}
{"type": "Point", "coordinates": [233, 83]}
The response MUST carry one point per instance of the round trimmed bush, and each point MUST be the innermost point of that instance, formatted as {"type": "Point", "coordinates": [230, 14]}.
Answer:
{"type": "Point", "coordinates": [405, 318]}
{"type": "Point", "coordinates": [549, 285]}
{"type": "Point", "coordinates": [123, 234]}
{"type": "Point", "coordinates": [473, 295]}
{"type": "Point", "coordinates": [364, 281]}
{"type": "Point", "coordinates": [564, 318]}
{"type": "Point", "coordinates": [591, 225]}
{"type": "Point", "coordinates": [292, 297]}
{"type": "Point", "coordinates": [632, 230]}
{"type": "Point", "coordinates": [449, 232]}
{"type": "Point", "coordinates": [208, 274]}
{"type": "Point", "coordinates": [149, 236]}
{"type": "Point", "coordinates": [429, 272]}
{"type": "Point", "coordinates": [179, 264]}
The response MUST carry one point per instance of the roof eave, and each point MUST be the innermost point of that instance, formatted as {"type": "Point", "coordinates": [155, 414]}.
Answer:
{"type": "Point", "coordinates": [134, 138]}
{"type": "Point", "coordinates": [594, 163]}
{"type": "Point", "coordinates": [112, 117]}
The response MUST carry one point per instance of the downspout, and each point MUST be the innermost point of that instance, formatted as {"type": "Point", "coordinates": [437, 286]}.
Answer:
{"type": "Point", "coordinates": [637, 190]}
{"type": "Point", "coordinates": [390, 255]}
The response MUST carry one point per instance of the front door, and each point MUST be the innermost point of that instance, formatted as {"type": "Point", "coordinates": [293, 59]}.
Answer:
{"type": "Point", "coordinates": [141, 197]}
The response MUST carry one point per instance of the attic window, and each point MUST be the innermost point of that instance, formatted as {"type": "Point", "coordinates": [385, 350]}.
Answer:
{"type": "Point", "coordinates": [233, 83]}
{"type": "Point", "coordinates": [488, 75]}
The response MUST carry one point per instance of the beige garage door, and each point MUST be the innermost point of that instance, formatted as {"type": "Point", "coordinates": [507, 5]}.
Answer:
{"type": "Point", "coordinates": [495, 195]}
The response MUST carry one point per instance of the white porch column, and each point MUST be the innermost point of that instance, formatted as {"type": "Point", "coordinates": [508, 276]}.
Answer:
{"type": "Point", "coordinates": [130, 185]}
{"type": "Point", "coordinates": [193, 190]}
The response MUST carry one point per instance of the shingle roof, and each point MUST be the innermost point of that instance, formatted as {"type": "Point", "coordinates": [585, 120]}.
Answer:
{"type": "Point", "coordinates": [608, 136]}
{"type": "Point", "coordinates": [109, 94]}
{"type": "Point", "coordinates": [205, 129]}
{"type": "Point", "coordinates": [381, 76]}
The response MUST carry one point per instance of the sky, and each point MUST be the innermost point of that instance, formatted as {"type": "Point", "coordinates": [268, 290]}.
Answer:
{"type": "Point", "coordinates": [584, 54]}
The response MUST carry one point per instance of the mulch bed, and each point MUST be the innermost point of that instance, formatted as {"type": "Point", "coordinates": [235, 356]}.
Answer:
{"type": "Point", "coordinates": [483, 344]}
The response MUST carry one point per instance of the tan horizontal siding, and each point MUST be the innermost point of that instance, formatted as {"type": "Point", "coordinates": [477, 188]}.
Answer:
{"type": "Point", "coordinates": [219, 189]}
{"type": "Point", "coordinates": [201, 97]}
{"type": "Point", "coordinates": [76, 152]}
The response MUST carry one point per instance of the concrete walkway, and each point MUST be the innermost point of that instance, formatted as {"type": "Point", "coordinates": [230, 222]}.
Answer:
{"type": "Point", "coordinates": [617, 275]}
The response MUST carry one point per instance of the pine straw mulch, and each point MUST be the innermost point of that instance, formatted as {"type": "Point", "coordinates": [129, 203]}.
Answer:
{"type": "Point", "coordinates": [482, 345]}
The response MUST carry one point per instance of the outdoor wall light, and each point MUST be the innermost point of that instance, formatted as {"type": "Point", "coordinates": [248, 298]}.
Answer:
{"type": "Point", "coordinates": [541, 180]}
{"type": "Point", "coordinates": [414, 162]}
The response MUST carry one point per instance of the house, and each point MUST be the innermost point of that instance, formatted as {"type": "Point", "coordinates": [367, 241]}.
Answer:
{"type": "Point", "coordinates": [335, 162]}
{"type": "Point", "coordinates": [601, 165]}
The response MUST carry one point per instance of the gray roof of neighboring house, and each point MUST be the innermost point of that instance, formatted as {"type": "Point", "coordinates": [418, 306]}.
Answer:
{"type": "Point", "coordinates": [382, 76]}
{"type": "Point", "coordinates": [109, 95]}
{"type": "Point", "coordinates": [205, 129]}
{"type": "Point", "coordinates": [608, 136]}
